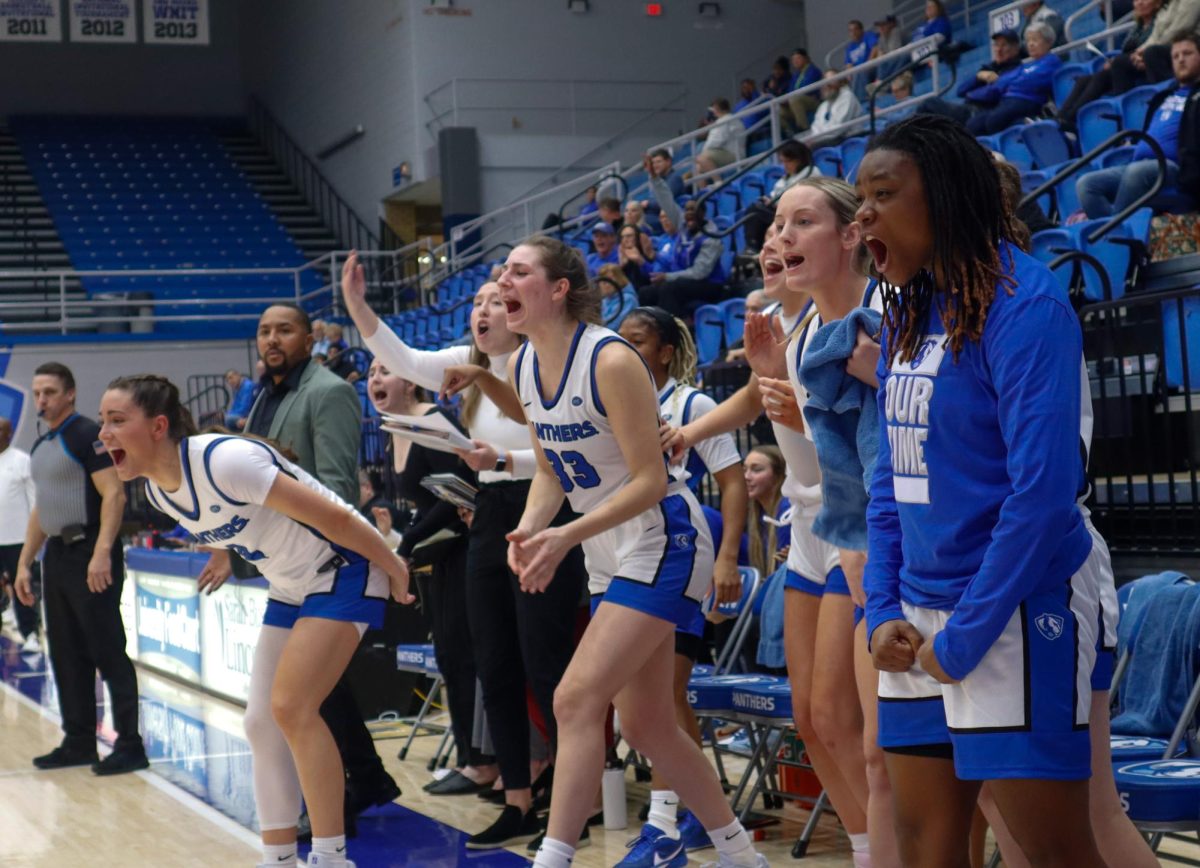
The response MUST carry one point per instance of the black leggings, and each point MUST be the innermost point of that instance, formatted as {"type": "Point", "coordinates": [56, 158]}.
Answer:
{"type": "Point", "coordinates": [444, 600]}
{"type": "Point", "coordinates": [518, 638]}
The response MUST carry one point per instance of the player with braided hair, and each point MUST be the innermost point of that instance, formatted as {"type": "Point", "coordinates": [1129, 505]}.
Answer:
{"type": "Point", "coordinates": [982, 579]}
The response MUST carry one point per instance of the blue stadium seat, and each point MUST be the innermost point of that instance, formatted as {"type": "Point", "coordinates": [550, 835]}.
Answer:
{"type": "Point", "coordinates": [734, 312]}
{"type": "Point", "coordinates": [1064, 79]}
{"type": "Point", "coordinates": [1048, 245]}
{"type": "Point", "coordinates": [829, 161]}
{"type": "Point", "coordinates": [1012, 146]}
{"type": "Point", "coordinates": [1045, 142]}
{"type": "Point", "coordinates": [1134, 104]}
{"type": "Point", "coordinates": [709, 329]}
{"type": "Point", "coordinates": [1096, 121]}
{"type": "Point", "coordinates": [853, 150]}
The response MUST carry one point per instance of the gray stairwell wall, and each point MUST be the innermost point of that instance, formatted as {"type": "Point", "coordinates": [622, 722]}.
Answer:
{"type": "Point", "coordinates": [323, 68]}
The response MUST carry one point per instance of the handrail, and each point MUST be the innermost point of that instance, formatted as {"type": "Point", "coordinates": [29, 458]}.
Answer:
{"type": "Point", "coordinates": [829, 55]}
{"type": "Point", "coordinates": [1108, 33]}
{"type": "Point", "coordinates": [613, 176]}
{"type": "Point", "coordinates": [1083, 10]}
{"type": "Point", "coordinates": [349, 229]}
{"type": "Point", "coordinates": [908, 67]}
{"type": "Point", "coordinates": [994, 14]}
{"type": "Point", "coordinates": [191, 399]}
{"type": "Point", "coordinates": [1115, 140]}
{"type": "Point", "coordinates": [1096, 264]}
{"type": "Point", "coordinates": [715, 190]}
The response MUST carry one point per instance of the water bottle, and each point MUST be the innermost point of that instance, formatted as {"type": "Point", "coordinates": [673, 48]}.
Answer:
{"type": "Point", "coordinates": [613, 789]}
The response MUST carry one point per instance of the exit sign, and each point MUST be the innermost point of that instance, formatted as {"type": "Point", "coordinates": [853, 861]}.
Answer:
{"type": "Point", "coordinates": [654, 10]}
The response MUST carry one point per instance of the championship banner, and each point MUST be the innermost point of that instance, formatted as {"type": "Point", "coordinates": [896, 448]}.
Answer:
{"type": "Point", "coordinates": [102, 20]}
{"type": "Point", "coordinates": [175, 22]}
{"type": "Point", "coordinates": [30, 21]}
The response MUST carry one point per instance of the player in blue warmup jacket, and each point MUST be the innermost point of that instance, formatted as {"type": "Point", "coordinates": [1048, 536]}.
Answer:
{"type": "Point", "coordinates": [594, 422]}
{"type": "Point", "coordinates": [329, 573]}
{"type": "Point", "coordinates": [981, 579]}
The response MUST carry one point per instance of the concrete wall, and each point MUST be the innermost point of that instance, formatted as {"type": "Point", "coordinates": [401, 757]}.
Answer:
{"type": "Point", "coordinates": [136, 79]}
{"type": "Point", "coordinates": [827, 23]}
{"type": "Point", "coordinates": [323, 68]}
{"type": "Point", "coordinates": [95, 365]}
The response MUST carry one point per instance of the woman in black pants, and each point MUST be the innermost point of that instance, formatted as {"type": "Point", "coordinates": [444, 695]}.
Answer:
{"type": "Point", "coordinates": [443, 591]}
{"type": "Point", "coordinates": [519, 639]}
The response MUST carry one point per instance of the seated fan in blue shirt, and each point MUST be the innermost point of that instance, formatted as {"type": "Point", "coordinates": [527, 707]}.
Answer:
{"type": "Point", "coordinates": [1173, 122]}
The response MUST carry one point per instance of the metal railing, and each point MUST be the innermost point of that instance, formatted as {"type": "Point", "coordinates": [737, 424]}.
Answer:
{"type": "Point", "coordinates": [1144, 376]}
{"type": "Point", "coordinates": [492, 103]}
{"type": "Point", "coordinates": [1078, 15]}
{"type": "Point", "coordinates": [349, 229]}
{"type": "Point", "coordinates": [518, 219]}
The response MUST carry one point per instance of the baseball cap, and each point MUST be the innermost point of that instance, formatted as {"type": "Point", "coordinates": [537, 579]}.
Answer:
{"type": "Point", "coordinates": [606, 228]}
{"type": "Point", "coordinates": [886, 19]}
{"type": "Point", "coordinates": [1008, 35]}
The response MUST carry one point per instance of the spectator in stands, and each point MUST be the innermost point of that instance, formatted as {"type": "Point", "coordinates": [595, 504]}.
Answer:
{"type": "Point", "coordinates": [901, 89]}
{"type": "Point", "coordinates": [693, 274]}
{"type": "Point", "coordinates": [747, 94]}
{"type": "Point", "coordinates": [1020, 92]}
{"type": "Point", "coordinates": [617, 295]}
{"type": "Point", "coordinates": [936, 21]}
{"type": "Point", "coordinates": [838, 106]}
{"type": "Point", "coordinates": [608, 209]}
{"type": "Point", "coordinates": [660, 159]}
{"type": "Point", "coordinates": [604, 244]}
{"type": "Point", "coordinates": [756, 302]}
{"type": "Point", "coordinates": [723, 145]}
{"type": "Point", "coordinates": [801, 105]}
{"type": "Point", "coordinates": [335, 336]}
{"type": "Point", "coordinates": [858, 51]}
{"type": "Point", "coordinates": [1038, 12]}
{"type": "Point", "coordinates": [1152, 62]}
{"type": "Point", "coordinates": [589, 202]}
{"type": "Point", "coordinates": [241, 399]}
{"type": "Point", "coordinates": [637, 256]}
{"type": "Point", "coordinates": [1100, 83]}
{"type": "Point", "coordinates": [343, 363]}
{"type": "Point", "coordinates": [1172, 120]}
{"type": "Point", "coordinates": [635, 216]}
{"type": "Point", "coordinates": [888, 39]}
{"type": "Point", "coordinates": [797, 162]}
{"type": "Point", "coordinates": [779, 81]}
{"type": "Point", "coordinates": [320, 341]}
{"type": "Point", "coordinates": [976, 92]}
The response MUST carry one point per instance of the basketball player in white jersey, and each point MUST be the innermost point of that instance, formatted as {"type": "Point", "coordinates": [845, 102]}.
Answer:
{"type": "Point", "coordinates": [818, 609]}
{"type": "Point", "coordinates": [593, 416]}
{"type": "Point", "coordinates": [329, 573]}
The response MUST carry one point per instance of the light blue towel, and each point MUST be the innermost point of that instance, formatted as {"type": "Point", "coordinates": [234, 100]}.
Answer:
{"type": "Point", "coordinates": [1134, 598]}
{"type": "Point", "coordinates": [770, 622]}
{"type": "Point", "coordinates": [843, 417]}
{"type": "Point", "coordinates": [1162, 669]}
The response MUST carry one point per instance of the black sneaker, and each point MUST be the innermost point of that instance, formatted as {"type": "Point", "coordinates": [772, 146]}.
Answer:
{"type": "Point", "coordinates": [512, 827]}
{"type": "Point", "coordinates": [585, 840]}
{"type": "Point", "coordinates": [122, 761]}
{"type": "Point", "coordinates": [63, 757]}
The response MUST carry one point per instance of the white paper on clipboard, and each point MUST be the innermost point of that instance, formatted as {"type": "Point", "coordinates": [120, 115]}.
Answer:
{"type": "Point", "coordinates": [434, 431]}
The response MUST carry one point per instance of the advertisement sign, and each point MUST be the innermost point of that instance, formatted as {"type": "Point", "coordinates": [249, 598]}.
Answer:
{"type": "Point", "coordinates": [102, 20]}
{"type": "Point", "coordinates": [230, 621]}
{"type": "Point", "coordinates": [174, 732]}
{"type": "Point", "coordinates": [168, 624]}
{"type": "Point", "coordinates": [175, 22]}
{"type": "Point", "coordinates": [128, 608]}
{"type": "Point", "coordinates": [30, 21]}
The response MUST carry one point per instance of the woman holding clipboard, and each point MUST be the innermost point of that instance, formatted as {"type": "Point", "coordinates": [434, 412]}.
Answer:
{"type": "Point", "coordinates": [442, 591]}
{"type": "Point", "coordinates": [517, 638]}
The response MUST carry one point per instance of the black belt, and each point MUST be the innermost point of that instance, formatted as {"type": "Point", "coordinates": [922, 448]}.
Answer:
{"type": "Point", "coordinates": [335, 562]}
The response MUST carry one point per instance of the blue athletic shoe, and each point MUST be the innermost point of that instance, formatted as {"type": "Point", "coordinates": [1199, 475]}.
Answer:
{"type": "Point", "coordinates": [654, 848]}
{"type": "Point", "coordinates": [692, 833]}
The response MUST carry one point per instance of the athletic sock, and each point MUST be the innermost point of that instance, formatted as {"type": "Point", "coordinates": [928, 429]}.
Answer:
{"type": "Point", "coordinates": [554, 854]}
{"type": "Point", "coordinates": [860, 843]}
{"type": "Point", "coordinates": [335, 846]}
{"type": "Point", "coordinates": [734, 844]}
{"type": "Point", "coordinates": [279, 854]}
{"type": "Point", "coordinates": [664, 811]}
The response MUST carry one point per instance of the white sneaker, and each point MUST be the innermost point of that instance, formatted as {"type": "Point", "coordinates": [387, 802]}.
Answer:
{"type": "Point", "coordinates": [324, 860]}
{"type": "Point", "coordinates": [32, 644]}
{"type": "Point", "coordinates": [725, 862]}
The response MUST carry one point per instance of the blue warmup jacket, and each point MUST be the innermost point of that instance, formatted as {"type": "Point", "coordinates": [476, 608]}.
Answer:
{"type": "Point", "coordinates": [973, 499]}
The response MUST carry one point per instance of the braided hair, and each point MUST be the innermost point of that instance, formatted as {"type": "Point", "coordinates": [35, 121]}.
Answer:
{"type": "Point", "coordinates": [970, 224]}
{"type": "Point", "coordinates": [672, 332]}
{"type": "Point", "coordinates": [155, 395]}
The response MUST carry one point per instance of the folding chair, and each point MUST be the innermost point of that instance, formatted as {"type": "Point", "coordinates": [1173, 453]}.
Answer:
{"type": "Point", "coordinates": [419, 658]}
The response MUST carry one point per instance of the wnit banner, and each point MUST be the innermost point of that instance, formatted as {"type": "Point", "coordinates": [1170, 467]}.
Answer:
{"type": "Point", "coordinates": [175, 22]}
